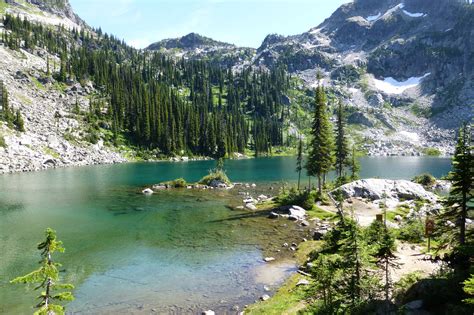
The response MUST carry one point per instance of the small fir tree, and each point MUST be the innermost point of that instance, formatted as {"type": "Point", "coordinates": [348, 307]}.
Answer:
{"type": "Point", "coordinates": [47, 278]}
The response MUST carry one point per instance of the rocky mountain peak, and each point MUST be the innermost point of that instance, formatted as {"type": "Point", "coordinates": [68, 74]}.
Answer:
{"type": "Point", "coordinates": [59, 8]}
{"type": "Point", "coordinates": [188, 42]}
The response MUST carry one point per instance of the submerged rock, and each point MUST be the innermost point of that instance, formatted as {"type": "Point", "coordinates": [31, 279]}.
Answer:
{"type": "Point", "coordinates": [273, 215]}
{"type": "Point", "coordinates": [269, 259]}
{"type": "Point", "coordinates": [147, 191]}
{"type": "Point", "coordinates": [251, 206]}
{"type": "Point", "coordinates": [302, 282]}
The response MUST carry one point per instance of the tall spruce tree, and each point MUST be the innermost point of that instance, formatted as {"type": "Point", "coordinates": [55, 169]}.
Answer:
{"type": "Point", "coordinates": [386, 260]}
{"type": "Point", "coordinates": [354, 164]}
{"type": "Point", "coordinates": [462, 178]}
{"type": "Point", "coordinates": [342, 150]}
{"type": "Point", "coordinates": [47, 278]}
{"type": "Point", "coordinates": [321, 157]}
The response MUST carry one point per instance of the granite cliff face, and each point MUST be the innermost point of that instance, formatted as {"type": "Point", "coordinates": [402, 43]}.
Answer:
{"type": "Point", "coordinates": [391, 41]}
{"type": "Point", "coordinates": [54, 12]}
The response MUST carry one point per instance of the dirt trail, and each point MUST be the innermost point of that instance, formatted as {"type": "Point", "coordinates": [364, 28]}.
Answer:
{"type": "Point", "coordinates": [411, 257]}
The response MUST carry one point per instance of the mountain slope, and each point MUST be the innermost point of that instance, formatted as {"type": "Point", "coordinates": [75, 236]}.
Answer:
{"type": "Point", "coordinates": [391, 39]}
{"type": "Point", "coordinates": [402, 67]}
{"type": "Point", "coordinates": [49, 12]}
{"type": "Point", "coordinates": [403, 70]}
{"type": "Point", "coordinates": [195, 46]}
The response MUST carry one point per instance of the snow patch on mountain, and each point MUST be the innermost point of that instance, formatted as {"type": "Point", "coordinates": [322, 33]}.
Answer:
{"type": "Point", "coordinates": [414, 15]}
{"type": "Point", "coordinates": [391, 86]}
{"type": "Point", "coordinates": [372, 18]}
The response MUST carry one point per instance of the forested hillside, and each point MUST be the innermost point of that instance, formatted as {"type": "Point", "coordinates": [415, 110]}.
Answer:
{"type": "Point", "coordinates": [182, 107]}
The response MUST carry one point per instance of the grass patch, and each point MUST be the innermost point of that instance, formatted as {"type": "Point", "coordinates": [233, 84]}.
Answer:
{"type": "Point", "coordinates": [321, 214]}
{"type": "Point", "coordinates": [400, 210]}
{"type": "Point", "coordinates": [60, 86]}
{"type": "Point", "coordinates": [37, 84]}
{"type": "Point", "coordinates": [51, 152]}
{"type": "Point", "coordinates": [177, 183]}
{"type": "Point", "coordinates": [3, 7]}
{"type": "Point", "coordinates": [289, 299]}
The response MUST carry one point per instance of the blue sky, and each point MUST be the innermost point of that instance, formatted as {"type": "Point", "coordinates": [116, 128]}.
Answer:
{"type": "Point", "coordinates": [241, 22]}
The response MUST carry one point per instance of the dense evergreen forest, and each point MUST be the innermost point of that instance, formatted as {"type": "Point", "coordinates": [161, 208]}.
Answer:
{"type": "Point", "coordinates": [175, 106]}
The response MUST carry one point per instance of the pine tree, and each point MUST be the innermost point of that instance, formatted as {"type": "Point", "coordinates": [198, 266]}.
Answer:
{"type": "Point", "coordinates": [342, 150]}
{"type": "Point", "coordinates": [7, 111]}
{"type": "Point", "coordinates": [299, 161]}
{"type": "Point", "coordinates": [469, 289]}
{"type": "Point", "coordinates": [19, 122]}
{"type": "Point", "coordinates": [354, 165]}
{"type": "Point", "coordinates": [386, 259]}
{"type": "Point", "coordinates": [462, 179]}
{"type": "Point", "coordinates": [47, 277]}
{"type": "Point", "coordinates": [321, 158]}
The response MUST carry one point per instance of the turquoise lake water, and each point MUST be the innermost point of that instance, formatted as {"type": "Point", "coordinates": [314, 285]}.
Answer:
{"type": "Point", "coordinates": [173, 252]}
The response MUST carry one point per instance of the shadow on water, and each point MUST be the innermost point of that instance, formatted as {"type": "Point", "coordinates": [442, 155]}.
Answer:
{"type": "Point", "coordinates": [246, 215]}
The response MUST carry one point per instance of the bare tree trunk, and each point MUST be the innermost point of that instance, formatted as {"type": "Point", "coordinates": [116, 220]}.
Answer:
{"type": "Point", "coordinates": [462, 234]}
{"type": "Point", "coordinates": [387, 282]}
{"type": "Point", "coordinates": [299, 179]}
{"type": "Point", "coordinates": [320, 190]}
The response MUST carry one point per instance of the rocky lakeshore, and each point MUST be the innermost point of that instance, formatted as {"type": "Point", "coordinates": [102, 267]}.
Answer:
{"type": "Point", "coordinates": [54, 135]}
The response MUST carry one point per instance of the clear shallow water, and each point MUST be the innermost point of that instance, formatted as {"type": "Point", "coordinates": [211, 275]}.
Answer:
{"type": "Point", "coordinates": [179, 251]}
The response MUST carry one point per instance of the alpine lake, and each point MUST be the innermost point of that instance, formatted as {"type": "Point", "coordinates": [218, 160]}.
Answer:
{"type": "Point", "coordinates": [177, 251]}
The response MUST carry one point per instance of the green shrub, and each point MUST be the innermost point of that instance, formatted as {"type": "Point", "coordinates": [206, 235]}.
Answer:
{"type": "Point", "coordinates": [305, 198]}
{"type": "Point", "coordinates": [412, 231]}
{"type": "Point", "coordinates": [92, 136]}
{"type": "Point", "coordinates": [218, 175]}
{"type": "Point", "coordinates": [425, 179]}
{"type": "Point", "coordinates": [178, 183]}
{"type": "Point", "coordinates": [431, 152]}
{"type": "Point", "coordinates": [3, 143]}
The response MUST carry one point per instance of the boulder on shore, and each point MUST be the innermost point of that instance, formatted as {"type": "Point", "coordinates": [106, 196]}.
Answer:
{"type": "Point", "coordinates": [376, 189]}
{"type": "Point", "coordinates": [294, 213]}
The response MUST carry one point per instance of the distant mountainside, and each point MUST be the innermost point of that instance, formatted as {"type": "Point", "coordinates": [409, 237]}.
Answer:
{"type": "Point", "coordinates": [190, 41]}
{"type": "Point", "coordinates": [195, 46]}
{"type": "Point", "coordinates": [404, 52]}
{"type": "Point", "coordinates": [376, 52]}
{"type": "Point", "coordinates": [403, 70]}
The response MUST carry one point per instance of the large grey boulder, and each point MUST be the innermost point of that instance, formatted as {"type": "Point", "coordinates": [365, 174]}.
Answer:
{"type": "Point", "coordinates": [376, 189]}
{"type": "Point", "coordinates": [295, 213]}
